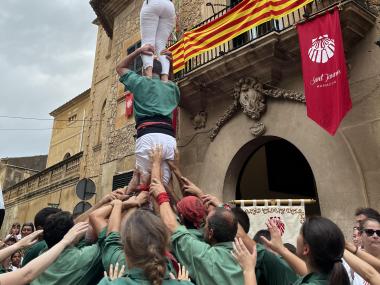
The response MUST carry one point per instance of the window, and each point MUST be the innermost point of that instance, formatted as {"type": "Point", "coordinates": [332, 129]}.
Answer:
{"type": "Point", "coordinates": [121, 180]}
{"type": "Point", "coordinates": [137, 64]}
{"type": "Point", "coordinates": [72, 118]}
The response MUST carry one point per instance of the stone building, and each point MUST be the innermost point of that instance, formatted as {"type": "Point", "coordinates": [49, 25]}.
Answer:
{"type": "Point", "coordinates": [55, 183]}
{"type": "Point", "coordinates": [277, 152]}
{"type": "Point", "coordinates": [274, 151]}
{"type": "Point", "coordinates": [15, 169]}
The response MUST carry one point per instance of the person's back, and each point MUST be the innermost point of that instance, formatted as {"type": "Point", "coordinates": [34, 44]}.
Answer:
{"type": "Point", "coordinates": [153, 104]}
{"type": "Point", "coordinates": [145, 243]}
{"type": "Point", "coordinates": [152, 97]}
{"type": "Point", "coordinates": [75, 265]}
{"type": "Point", "coordinates": [210, 262]}
{"type": "Point", "coordinates": [39, 222]}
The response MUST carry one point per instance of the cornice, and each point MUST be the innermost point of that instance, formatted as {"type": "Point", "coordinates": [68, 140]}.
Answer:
{"type": "Point", "coordinates": [106, 11]}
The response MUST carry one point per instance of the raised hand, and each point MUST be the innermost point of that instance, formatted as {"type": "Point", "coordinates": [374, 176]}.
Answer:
{"type": "Point", "coordinates": [190, 188]}
{"type": "Point", "coordinates": [168, 54]}
{"type": "Point", "coordinates": [242, 255]}
{"type": "Point", "coordinates": [147, 49]}
{"type": "Point", "coordinates": [183, 274]}
{"type": "Point", "coordinates": [155, 153]}
{"type": "Point", "coordinates": [138, 200]}
{"type": "Point", "coordinates": [30, 240]}
{"type": "Point", "coordinates": [276, 241]}
{"type": "Point", "coordinates": [210, 200]}
{"type": "Point", "coordinates": [114, 273]}
{"type": "Point", "coordinates": [156, 188]}
{"type": "Point", "coordinates": [75, 233]}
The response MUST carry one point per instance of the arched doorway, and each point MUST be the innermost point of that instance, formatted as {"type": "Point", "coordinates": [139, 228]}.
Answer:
{"type": "Point", "coordinates": [270, 167]}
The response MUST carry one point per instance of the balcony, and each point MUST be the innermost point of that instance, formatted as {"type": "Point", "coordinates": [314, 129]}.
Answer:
{"type": "Point", "coordinates": [267, 52]}
{"type": "Point", "coordinates": [49, 180]}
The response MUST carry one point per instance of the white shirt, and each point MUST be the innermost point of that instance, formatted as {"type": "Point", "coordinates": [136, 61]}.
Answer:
{"type": "Point", "coordinates": [355, 279]}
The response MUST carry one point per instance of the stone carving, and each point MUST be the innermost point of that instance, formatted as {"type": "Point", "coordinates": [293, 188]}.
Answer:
{"type": "Point", "coordinates": [249, 95]}
{"type": "Point", "coordinates": [199, 120]}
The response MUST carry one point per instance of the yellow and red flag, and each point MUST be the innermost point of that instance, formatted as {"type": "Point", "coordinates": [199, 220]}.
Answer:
{"type": "Point", "coordinates": [243, 17]}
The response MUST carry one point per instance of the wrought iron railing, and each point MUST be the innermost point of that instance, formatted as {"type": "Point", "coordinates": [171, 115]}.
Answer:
{"type": "Point", "coordinates": [256, 33]}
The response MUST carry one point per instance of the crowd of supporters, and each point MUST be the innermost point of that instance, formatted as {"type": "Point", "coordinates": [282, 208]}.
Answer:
{"type": "Point", "coordinates": [156, 237]}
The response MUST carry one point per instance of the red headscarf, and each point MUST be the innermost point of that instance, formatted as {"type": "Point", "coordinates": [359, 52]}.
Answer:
{"type": "Point", "coordinates": [191, 208]}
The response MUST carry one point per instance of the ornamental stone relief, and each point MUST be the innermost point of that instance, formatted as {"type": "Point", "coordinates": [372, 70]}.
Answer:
{"type": "Point", "coordinates": [250, 96]}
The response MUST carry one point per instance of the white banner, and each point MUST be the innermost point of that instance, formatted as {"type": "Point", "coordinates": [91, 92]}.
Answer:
{"type": "Point", "coordinates": [289, 220]}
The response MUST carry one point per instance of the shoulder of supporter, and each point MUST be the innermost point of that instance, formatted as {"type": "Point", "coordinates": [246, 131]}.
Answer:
{"type": "Point", "coordinates": [112, 251]}
{"type": "Point", "coordinates": [131, 80]}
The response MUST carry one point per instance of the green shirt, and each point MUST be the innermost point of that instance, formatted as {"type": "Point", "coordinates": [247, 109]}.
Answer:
{"type": "Point", "coordinates": [197, 233]}
{"type": "Point", "coordinates": [136, 276]}
{"type": "Point", "coordinates": [113, 252]}
{"type": "Point", "coordinates": [74, 266]}
{"type": "Point", "coordinates": [33, 252]}
{"type": "Point", "coordinates": [207, 264]}
{"type": "Point", "coordinates": [215, 265]}
{"type": "Point", "coordinates": [313, 279]}
{"type": "Point", "coordinates": [272, 269]}
{"type": "Point", "coordinates": [151, 97]}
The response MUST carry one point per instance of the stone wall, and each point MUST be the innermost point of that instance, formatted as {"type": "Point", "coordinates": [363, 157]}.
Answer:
{"type": "Point", "coordinates": [346, 166]}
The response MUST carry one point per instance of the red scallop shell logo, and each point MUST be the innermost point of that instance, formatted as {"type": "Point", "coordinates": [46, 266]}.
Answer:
{"type": "Point", "coordinates": [280, 224]}
{"type": "Point", "coordinates": [322, 49]}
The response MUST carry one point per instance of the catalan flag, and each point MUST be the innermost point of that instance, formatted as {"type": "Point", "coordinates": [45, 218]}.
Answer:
{"type": "Point", "coordinates": [243, 17]}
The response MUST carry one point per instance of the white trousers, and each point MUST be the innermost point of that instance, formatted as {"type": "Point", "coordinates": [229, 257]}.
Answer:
{"type": "Point", "coordinates": [157, 18]}
{"type": "Point", "coordinates": [147, 142]}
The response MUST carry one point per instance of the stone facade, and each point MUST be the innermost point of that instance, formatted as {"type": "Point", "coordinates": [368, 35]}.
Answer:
{"type": "Point", "coordinates": [15, 169]}
{"type": "Point", "coordinates": [346, 167]}
{"type": "Point", "coordinates": [340, 164]}
{"type": "Point", "coordinates": [70, 123]}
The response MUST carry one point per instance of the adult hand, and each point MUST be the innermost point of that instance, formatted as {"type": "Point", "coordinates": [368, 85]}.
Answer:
{"type": "Point", "coordinates": [276, 241]}
{"type": "Point", "coordinates": [168, 54]}
{"type": "Point", "coordinates": [246, 259]}
{"type": "Point", "coordinates": [174, 163]}
{"type": "Point", "coordinates": [29, 240]}
{"type": "Point", "coordinates": [350, 246]}
{"type": "Point", "coordinates": [134, 181]}
{"type": "Point", "coordinates": [210, 200]}
{"type": "Point", "coordinates": [109, 197]}
{"type": "Point", "coordinates": [156, 188]}
{"type": "Point", "coordinates": [75, 233]}
{"type": "Point", "coordinates": [146, 49]}
{"type": "Point", "coordinates": [138, 200]}
{"type": "Point", "coordinates": [155, 153]}
{"type": "Point", "coordinates": [116, 203]}
{"type": "Point", "coordinates": [114, 272]}
{"type": "Point", "coordinates": [190, 188]}
{"type": "Point", "coordinates": [183, 274]}
{"type": "Point", "coordinates": [120, 194]}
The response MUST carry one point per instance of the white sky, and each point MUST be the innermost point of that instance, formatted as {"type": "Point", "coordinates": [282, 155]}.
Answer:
{"type": "Point", "coordinates": [47, 50]}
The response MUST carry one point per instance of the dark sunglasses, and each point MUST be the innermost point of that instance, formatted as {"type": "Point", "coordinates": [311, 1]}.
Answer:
{"type": "Point", "coordinates": [370, 232]}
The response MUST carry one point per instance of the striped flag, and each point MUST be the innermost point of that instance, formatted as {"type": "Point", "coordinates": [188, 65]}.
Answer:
{"type": "Point", "coordinates": [243, 17]}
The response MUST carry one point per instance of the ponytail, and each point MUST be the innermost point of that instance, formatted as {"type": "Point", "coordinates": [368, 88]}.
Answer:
{"type": "Point", "coordinates": [155, 268]}
{"type": "Point", "coordinates": [145, 243]}
{"type": "Point", "coordinates": [326, 242]}
{"type": "Point", "coordinates": [338, 275]}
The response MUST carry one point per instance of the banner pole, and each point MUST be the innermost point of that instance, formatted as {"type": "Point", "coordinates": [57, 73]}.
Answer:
{"type": "Point", "coordinates": [273, 202]}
